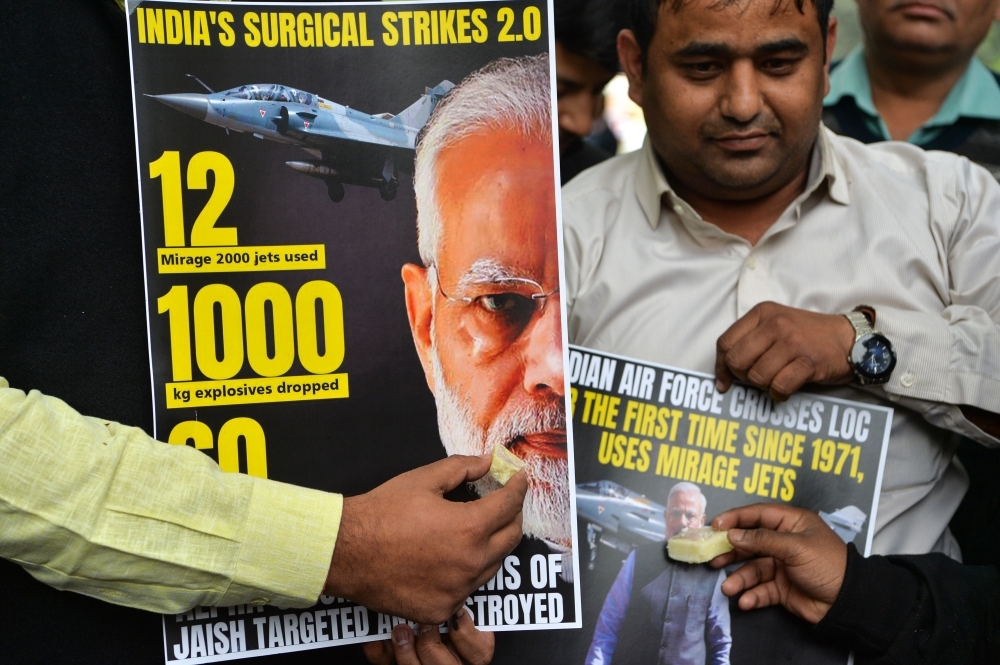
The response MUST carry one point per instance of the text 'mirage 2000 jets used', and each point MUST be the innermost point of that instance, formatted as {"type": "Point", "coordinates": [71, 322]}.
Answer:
{"type": "Point", "coordinates": [354, 148]}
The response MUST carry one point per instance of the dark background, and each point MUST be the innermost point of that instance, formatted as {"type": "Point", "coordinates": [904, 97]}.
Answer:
{"type": "Point", "coordinates": [72, 311]}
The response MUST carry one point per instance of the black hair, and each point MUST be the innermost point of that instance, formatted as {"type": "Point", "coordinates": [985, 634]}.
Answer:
{"type": "Point", "coordinates": [642, 17]}
{"type": "Point", "coordinates": [590, 28]}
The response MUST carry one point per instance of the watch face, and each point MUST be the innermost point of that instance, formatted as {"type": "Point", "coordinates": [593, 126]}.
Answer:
{"type": "Point", "coordinates": [873, 356]}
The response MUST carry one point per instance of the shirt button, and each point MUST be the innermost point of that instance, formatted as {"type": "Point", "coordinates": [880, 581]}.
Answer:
{"type": "Point", "coordinates": [259, 601]}
{"type": "Point", "coordinates": [752, 262]}
{"type": "Point", "coordinates": [906, 380]}
{"type": "Point", "coordinates": [678, 209]}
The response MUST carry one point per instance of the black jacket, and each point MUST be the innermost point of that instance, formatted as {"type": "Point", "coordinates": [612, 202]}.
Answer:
{"type": "Point", "coordinates": [912, 610]}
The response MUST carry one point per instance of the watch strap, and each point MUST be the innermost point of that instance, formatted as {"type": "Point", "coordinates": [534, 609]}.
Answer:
{"type": "Point", "coordinates": [869, 313]}
{"type": "Point", "coordinates": [860, 323]}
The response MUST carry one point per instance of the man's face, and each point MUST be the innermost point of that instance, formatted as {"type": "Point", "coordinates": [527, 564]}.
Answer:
{"type": "Point", "coordinates": [580, 84]}
{"type": "Point", "coordinates": [492, 347]}
{"type": "Point", "coordinates": [928, 29]}
{"type": "Point", "coordinates": [732, 94]}
{"type": "Point", "coordinates": [684, 511]}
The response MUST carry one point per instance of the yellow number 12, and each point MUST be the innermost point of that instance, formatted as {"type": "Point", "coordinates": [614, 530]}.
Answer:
{"type": "Point", "coordinates": [204, 232]}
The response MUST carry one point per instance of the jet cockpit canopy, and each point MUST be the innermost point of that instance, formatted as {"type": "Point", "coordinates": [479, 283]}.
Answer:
{"type": "Point", "coordinates": [607, 488]}
{"type": "Point", "coordinates": [269, 92]}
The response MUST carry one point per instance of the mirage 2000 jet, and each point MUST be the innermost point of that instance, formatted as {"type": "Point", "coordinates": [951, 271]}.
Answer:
{"type": "Point", "coordinates": [353, 147]}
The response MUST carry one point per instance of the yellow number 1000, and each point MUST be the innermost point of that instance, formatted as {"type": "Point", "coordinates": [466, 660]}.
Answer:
{"type": "Point", "coordinates": [285, 332]}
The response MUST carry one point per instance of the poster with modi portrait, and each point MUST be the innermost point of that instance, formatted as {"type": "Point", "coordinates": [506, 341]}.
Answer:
{"type": "Point", "coordinates": [659, 451]}
{"type": "Point", "coordinates": [352, 245]}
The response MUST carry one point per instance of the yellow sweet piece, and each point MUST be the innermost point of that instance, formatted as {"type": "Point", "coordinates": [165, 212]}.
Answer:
{"type": "Point", "coordinates": [698, 545]}
{"type": "Point", "coordinates": [505, 464]}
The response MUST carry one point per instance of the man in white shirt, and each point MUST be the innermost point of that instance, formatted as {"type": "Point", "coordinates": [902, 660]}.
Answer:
{"type": "Point", "coordinates": [741, 234]}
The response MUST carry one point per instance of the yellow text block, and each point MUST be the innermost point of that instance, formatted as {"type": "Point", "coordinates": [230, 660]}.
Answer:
{"type": "Point", "coordinates": [171, 260]}
{"type": "Point", "coordinates": [200, 394]}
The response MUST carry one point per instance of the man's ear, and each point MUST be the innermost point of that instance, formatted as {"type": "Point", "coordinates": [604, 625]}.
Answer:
{"type": "Point", "coordinates": [831, 44]}
{"type": "Point", "coordinates": [630, 57]}
{"type": "Point", "coordinates": [420, 311]}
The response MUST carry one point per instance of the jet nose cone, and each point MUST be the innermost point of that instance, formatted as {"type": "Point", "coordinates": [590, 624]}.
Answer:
{"type": "Point", "coordinates": [187, 102]}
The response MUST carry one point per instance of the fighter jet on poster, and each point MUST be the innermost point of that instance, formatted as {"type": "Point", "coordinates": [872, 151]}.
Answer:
{"type": "Point", "coordinates": [353, 148]}
{"type": "Point", "coordinates": [618, 517]}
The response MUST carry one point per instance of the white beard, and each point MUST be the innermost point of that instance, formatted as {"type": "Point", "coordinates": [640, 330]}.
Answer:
{"type": "Point", "coordinates": [546, 506]}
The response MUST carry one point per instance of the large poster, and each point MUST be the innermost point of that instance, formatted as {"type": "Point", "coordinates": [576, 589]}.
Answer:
{"type": "Point", "coordinates": [300, 327]}
{"type": "Point", "coordinates": [660, 450]}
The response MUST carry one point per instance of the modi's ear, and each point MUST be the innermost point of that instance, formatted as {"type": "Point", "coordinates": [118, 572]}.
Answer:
{"type": "Point", "coordinates": [630, 57]}
{"type": "Point", "coordinates": [419, 310]}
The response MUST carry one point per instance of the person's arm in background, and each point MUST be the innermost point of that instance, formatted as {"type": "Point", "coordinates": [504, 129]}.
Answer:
{"type": "Point", "coordinates": [718, 633]}
{"type": "Point", "coordinates": [104, 510]}
{"type": "Point", "coordinates": [612, 616]}
{"type": "Point", "coordinates": [889, 610]}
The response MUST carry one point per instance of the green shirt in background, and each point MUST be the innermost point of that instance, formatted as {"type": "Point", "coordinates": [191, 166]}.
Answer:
{"type": "Point", "coordinates": [976, 95]}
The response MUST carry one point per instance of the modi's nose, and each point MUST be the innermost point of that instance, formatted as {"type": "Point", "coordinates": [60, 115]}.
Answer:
{"type": "Point", "coordinates": [543, 356]}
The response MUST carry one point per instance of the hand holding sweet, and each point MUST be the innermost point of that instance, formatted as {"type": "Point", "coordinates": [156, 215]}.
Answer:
{"type": "Point", "coordinates": [800, 561]}
{"type": "Point", "coordinates": [405, 550]}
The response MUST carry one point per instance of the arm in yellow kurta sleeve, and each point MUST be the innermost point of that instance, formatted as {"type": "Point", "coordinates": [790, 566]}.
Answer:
{"type": "Point", "coordinates": [104, 510]}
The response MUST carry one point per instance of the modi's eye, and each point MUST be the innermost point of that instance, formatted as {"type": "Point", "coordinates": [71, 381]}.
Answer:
{"type": "Point", "coordinates": [505, 303]}
{"type": "Point", "coordinates": [501, 316]}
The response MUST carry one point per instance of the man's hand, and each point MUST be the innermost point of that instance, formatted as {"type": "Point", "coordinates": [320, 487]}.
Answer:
{"type": "Point", "coordinates": [405, 550]}
{"type": "Point", "coordinates": [801, 565]}
{"type": "Point", "coordinates": [780, 349]}
{"type": "Point", "coordinates": [464, 643]}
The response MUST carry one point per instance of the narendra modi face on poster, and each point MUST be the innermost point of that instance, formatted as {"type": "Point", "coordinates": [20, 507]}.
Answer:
{"type": "Point", "coordinates": [484, 308]}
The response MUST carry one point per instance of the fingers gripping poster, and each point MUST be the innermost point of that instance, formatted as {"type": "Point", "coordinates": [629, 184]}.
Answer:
{"type": "Point", "coordinates": [350, 218]}
{"type": "Point", "coordinates": [660, 450]}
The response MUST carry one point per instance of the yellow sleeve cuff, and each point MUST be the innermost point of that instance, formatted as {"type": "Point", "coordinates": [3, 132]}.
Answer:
{"type": "Point", "coordinates": [287, 546]}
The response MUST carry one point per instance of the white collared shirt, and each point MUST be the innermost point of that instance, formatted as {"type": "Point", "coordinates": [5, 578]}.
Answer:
{"type": "Point", "coordinates": [914, 234]}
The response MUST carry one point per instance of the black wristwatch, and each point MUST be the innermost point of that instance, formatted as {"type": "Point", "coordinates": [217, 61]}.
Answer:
{"type": "Point", "coordinates": [872, 356]}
